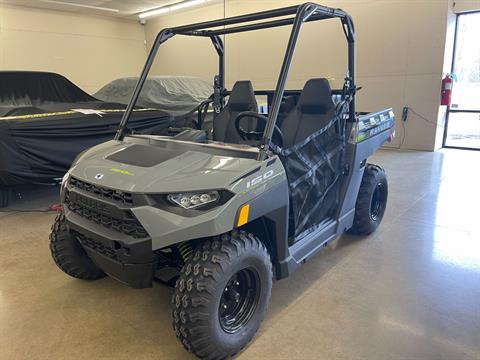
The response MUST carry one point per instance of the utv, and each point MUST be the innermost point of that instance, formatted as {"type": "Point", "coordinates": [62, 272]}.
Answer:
{"type": "Point", "coordinates": [217, 215]}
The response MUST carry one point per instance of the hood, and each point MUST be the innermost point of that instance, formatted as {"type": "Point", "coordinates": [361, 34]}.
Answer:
{"type": "Point", "coordinates": [142, 168]}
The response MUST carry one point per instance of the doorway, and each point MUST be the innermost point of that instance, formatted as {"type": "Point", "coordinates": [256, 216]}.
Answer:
{"type": "Point", "coordinates": [463, 115]}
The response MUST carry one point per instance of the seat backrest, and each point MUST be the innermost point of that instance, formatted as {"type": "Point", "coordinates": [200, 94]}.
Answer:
{"type": "Point", "coordinates": [242, 98]}
{"type": "Point", "coordinates": [288, 103]}
{"type": "Point", "coordinates": [315, 108]}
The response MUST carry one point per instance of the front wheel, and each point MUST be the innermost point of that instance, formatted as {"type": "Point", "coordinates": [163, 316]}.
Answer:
{"type": "Point", "coordinates": [68, 254]}
{"type": "Point", "coordinates": [222, 295]}
{"type": "Point", "coordinates": [371, 200]}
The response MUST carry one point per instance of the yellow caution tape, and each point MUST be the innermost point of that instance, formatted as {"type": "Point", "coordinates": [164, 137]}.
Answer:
{"type": "Point", "coordinates": [70, 112]}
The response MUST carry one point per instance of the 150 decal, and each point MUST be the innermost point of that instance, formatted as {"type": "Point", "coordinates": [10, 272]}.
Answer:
{"type": "Point", "coordinates": [257, 180]}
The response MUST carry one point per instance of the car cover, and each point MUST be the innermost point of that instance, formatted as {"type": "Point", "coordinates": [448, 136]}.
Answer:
{"type": "Point", "coordinates": [38, 148]}
{"type": "Point", "coordinates": [34, 88]}
{"type": "Point", "coordinates": [173, 94]}
{"type": "Point", "coordinates": [46, 121]}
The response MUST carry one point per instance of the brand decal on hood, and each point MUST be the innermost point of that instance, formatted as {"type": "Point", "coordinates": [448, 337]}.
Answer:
{"type": "Point", "coordinates": [120, 171]}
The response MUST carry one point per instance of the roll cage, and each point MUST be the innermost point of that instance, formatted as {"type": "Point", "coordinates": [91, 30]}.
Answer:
{"type": "Point", "coordinates": [306, 12]}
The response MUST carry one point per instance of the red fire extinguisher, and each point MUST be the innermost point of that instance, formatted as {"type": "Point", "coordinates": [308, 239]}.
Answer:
{"type": "Point", "coordinates": [447, 85]}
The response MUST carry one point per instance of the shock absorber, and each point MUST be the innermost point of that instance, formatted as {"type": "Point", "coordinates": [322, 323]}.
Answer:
{"type": "Point", "coordinates": [185, 249]}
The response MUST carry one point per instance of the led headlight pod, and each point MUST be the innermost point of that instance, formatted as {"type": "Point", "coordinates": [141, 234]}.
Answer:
{"type": "Point", "coordinates": [194, 200]}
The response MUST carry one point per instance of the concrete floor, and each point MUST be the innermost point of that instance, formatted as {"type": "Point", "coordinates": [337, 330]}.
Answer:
{"type": "Point", "coordinates": [409, 291]}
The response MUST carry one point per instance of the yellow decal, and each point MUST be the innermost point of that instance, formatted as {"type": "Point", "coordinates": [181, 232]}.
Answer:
{"type": "Point", "coordinates": [63, 113]}
{"type": "Point", "coordinates": [243, 217]}
{"type": "Point", "coordinates": [120, 171]}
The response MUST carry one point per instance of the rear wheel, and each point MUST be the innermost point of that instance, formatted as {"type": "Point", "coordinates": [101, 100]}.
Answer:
{"type": "Point", "coordinates": [69, 255]}
{"type": "Point", "coordinates": [222, 295]}
{"type": "Point", "coordinates": [371, 201]}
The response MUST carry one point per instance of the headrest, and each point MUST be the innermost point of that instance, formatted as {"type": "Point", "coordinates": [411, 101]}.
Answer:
{"type": "Point", "coordinates": [316, 97]}
{"type": "Point", "coordinates": [242, 97]}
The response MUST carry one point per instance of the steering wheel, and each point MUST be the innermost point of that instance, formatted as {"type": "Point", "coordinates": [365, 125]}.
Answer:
{"type": "Point", "coordinates": [256, 135]}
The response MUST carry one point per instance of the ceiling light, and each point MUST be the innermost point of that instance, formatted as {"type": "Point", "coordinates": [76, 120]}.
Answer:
{"type": "Point", "coordinates": [185, 4]}
{"type": "Point", "coordinates": [154, 12]}
{"type": "Point", "coordinates": [174, 7]}
{"type": "Point", "coordinates": [80, 5]}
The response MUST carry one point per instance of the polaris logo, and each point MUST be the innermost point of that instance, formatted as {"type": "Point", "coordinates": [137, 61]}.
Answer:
{"type": "Point", "coordinates": [99, 176]}
{"type": "Point", "coordinates": [259, 179]}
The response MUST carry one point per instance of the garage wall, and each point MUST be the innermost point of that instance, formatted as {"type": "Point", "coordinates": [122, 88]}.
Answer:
{"type": "Point", "coordinates": [462, 6]}
{"type": "Point", "coordinates": [88, 50]}
{"type": "Point", "coordinates": [401, 52]}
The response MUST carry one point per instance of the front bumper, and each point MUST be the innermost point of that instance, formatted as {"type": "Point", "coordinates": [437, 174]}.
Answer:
{"type": "Point", "coordinates": [111, 236]}
{"type": "Point", "coordinates": [138, 276]}
{"type": "Point", "coordinates": [133, 264]}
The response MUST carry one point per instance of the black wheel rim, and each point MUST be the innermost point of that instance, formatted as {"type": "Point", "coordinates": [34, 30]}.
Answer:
{"type": "Point", "coordinates": [377, 206]}
{"type": "Point", "coordinates": [239, 300]}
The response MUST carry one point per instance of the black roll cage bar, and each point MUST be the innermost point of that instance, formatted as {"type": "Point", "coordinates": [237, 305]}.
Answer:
{"type": "Point", "coordinates": [303, 13]}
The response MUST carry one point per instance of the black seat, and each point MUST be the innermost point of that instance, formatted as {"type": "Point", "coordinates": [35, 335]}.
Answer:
{"type": "Point", "coordinates": [315, 108]}
{"type": "Point", "coordinates": [242, 98]}
{"type": "Point", "coordinates": [288, 103]}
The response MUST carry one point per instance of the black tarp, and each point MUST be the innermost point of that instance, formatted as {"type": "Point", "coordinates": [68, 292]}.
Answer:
{"type": "Point", "coordinates": [33, 88]}
{"type": "Point", "coordinates": [42, 127]}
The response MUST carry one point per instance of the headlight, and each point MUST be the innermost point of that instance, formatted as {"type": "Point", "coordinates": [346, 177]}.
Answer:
{"type": "Point", "coordinates": [194, 200]}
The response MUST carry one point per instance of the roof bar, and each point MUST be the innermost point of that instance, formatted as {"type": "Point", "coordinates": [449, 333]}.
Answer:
{"type": "Point", "coordinates": [322, 11]}
{"type": "Point", "coordinates": [305, 12]}
{"type": "Point", "coordinates": [237, 19]}
{"type": "Point", "coordinates": [260, 26]}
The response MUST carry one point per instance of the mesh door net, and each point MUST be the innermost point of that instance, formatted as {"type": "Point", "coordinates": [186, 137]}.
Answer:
{"type": "Point", "coordinates": [314, 167]}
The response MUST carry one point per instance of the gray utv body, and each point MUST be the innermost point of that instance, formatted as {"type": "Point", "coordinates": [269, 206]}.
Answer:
{"type": "Point", "coordinates": [116, 195]}
{"type": "Point", "coordinates": [115, 198]}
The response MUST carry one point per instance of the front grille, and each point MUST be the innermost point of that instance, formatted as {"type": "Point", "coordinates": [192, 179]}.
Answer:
{"type": "Point", "coordinates": [128, 225]}
{"type": "Point", "coordinates": [97, 246]}
{"type": "Point", "coordinates": [115, 195]}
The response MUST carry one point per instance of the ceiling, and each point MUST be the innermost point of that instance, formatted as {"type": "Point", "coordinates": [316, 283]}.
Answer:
{"type": "Point", "coordinates": [126, 8]}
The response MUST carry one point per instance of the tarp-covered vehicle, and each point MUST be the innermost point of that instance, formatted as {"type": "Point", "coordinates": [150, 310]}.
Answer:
{"type": "Point", "coordinates": [254, 201]}
{"type": "Point", "coordinates": [46, 120]}
{"type": "Point", "coordinates": [176, 95]}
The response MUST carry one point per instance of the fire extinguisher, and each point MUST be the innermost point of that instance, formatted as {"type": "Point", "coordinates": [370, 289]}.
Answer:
{"type": "Point", "coordinates": [447, 85]}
